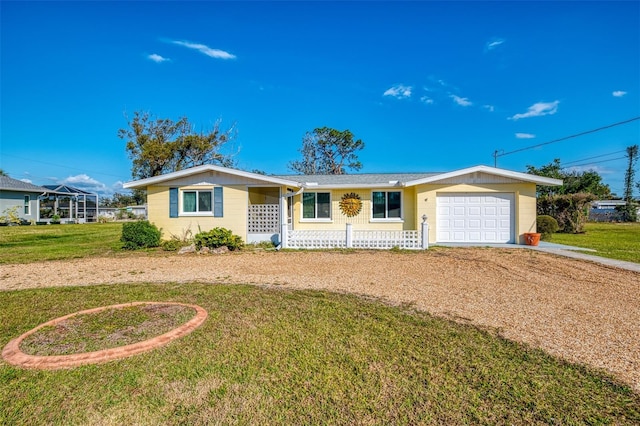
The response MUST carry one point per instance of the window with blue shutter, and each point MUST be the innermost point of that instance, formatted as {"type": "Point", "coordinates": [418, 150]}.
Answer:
{"type": "Point", "coordinates": [217, 201]}
{"type": "Point", "coordinates": [173, 202]}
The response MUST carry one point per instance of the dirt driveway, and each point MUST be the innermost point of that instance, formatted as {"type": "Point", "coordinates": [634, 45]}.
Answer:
{"type": "Point", "coordinates": [581, 311]}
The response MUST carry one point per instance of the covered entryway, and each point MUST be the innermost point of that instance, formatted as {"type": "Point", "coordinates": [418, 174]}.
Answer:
{"type": "Point", "coordinates": [475, 217]}
{"type": "Point", "coordinates": [263, 215]}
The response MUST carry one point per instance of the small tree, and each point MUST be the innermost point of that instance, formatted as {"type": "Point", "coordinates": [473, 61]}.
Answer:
{"type": "Point", "coordinates": [328, 151]}
{"type": "Point", "coordinates": [630, 209]}
{"type": "Point", "coordinates": [573, 182]}
{"type": "Point", "coordinates": [570, 210]}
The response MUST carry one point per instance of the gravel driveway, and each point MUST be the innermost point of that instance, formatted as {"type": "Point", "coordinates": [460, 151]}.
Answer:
{"type": "Point", "coordinates": [581, 311]}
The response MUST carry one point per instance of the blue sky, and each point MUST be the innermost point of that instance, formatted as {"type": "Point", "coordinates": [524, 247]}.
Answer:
{"type": "Point", "coordinates": [428, 86]}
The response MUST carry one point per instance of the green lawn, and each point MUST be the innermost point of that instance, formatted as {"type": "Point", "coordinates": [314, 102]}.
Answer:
{"type": "Point", "coordinates": [614, 240]}
{"type": "Point", "coordinates": [24, 244]}
{"type": "Point", "coordinates": [273, 356]}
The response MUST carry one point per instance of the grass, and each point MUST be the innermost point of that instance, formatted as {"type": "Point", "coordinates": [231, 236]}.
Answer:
{"type": "Point", "coordinates": [613, 240]}
{"type": "Point", "coordinates": [273, 356]}
{"type": "Point", "coordinates": [24, 244]}
{"type": "Point", "coordinates": [106, 329]}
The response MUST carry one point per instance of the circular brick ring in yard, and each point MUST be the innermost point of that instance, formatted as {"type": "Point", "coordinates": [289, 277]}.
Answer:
{"type": "Point", "coordinates": [13, 355]}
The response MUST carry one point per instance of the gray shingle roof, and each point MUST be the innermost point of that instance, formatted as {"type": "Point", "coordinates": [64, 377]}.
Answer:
{"type": "Point", "coordinates": [357, 179]}
{"type": "Point", "coordinates": [10, 184]}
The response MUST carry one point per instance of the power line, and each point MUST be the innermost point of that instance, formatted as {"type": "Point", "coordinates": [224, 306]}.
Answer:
{"type": "Point", "coordinates": [498, 153]}
{"type": "Point", "coordinates": [597, 162]}
{"type": "Point", "coordinates": [62, 166]}
{"type": "Point", "coordinates": [591, 158]}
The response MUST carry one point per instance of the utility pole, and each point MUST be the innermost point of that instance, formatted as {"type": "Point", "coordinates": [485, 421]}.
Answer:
{"type": "Point", "coordinates": [496, 154]}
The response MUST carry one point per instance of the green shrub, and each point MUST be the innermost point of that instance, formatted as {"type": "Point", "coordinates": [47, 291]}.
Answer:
{"type": "Point", "coordinates": [55, 219]}
{"type": "Point", "coordinates": [171, 245]}
{"type": "Point", "coordinates": [140, 234]}
{"type": "Point", "coordinates": [218, 237]}
{"type": "Point", "coordinates": [10, 216]}
{"type": "Point", "coordinates": [546, 226]}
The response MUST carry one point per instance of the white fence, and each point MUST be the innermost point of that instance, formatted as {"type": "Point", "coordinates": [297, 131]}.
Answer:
{"type": "Point", "coordinates": [361, 239]}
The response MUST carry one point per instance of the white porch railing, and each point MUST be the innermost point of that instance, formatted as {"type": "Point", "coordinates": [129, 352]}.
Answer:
{"type": "Point", "coordinates": [316, 239]}
{"type": "Point", "coordinates": [386, 239]}
{"type": "Point", "coordinates": [361, 239]}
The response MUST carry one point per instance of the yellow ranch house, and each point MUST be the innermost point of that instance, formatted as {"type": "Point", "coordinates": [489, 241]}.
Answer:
{"type": "Point", "coordinates": [478, 204]}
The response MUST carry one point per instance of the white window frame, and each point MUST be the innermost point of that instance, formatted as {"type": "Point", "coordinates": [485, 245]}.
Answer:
{"type": "Point", "coordinates": [316, 219]}
{"type": "Point", "coordinates": [181, 211]}
{"type": "Point", "coordinates": [386, 208]}
{"type": "Point", "coordinates": [27, 205]}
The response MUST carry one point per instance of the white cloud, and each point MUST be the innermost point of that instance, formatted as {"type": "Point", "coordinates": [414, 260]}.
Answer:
{"type": "Point", "coordinates": [538, 109]}
{"type": "Point", "coordinates": [26, 181]}
{"type": "Point", "coordinates": [398, 91]}
{"type": "Point", "coordinates": [427, 100]}
{"type": "Point", "coordinates": [465, 102]}
{"type": "Point", "coordinates": [157, 58]}
{"type": "Point", "coordinates": [86, 183]}
{"type": "Point", "coordinates": [489, 108]}
{"type": "Point", "coordinates": [525, 136]}
{"type": "Point", "coordinates": [619, 93]}
{"type": "Point", "coordinates": [493, 44]}
{"type": "Point", "coordinates": [213, 53]}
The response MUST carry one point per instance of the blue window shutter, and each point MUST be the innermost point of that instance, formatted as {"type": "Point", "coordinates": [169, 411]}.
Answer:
{"type": "Point", "coordinates": [173, 202]}
{"type": "Point", "coordinates": [217, 201]}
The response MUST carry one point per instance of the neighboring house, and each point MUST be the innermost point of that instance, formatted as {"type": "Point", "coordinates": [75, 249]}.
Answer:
{"type": "Point", "coordinates": [71, 204]}
{"type": "Point", "coordinates": [607, 211]}
{"type": "Point", "coordinates": [409, 210]}
{"type": "Point", "coordinates": [23, 195]}
{"type": "Point", "coordinates": [139, 212]}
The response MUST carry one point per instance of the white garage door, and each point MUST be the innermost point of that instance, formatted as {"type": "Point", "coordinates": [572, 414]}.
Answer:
{"type": "Point", "coordinates": [475, 217]}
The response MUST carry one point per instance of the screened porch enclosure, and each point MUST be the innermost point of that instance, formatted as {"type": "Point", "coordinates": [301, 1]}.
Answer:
{"type": "Point", "coordinates": [71, 204]}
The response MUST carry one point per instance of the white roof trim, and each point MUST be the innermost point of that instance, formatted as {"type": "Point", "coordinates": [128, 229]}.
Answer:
{"type": "Point", "coordinates": [142, 183]}
{"type": "Point", "coordinates": [526, 177]}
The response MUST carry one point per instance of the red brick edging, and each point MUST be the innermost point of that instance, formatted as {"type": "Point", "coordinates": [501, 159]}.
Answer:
{"type": "Point", "coordinates": [13, 355]}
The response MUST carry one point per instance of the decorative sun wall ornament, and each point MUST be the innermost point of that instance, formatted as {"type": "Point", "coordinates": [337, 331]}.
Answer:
{"type": "Point", "coordinates": [350, 204]}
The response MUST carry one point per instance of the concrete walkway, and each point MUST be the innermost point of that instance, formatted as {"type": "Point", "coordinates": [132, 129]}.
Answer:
{"type": "Point", "coordinates": [560, 250]}
{"type": "Point", "coordinates": [630, 266]}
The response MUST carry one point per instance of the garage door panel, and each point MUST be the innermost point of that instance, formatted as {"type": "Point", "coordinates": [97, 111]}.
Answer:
{"type": "Point", "coordinates": [475, 224]}
{"type": "Point", "coordinates": [459, 236]}
{"type": "Point", "coordinates": [474, 211]}
{"type": "Point", "coordinates": [490, 224]}
{"type": "Point", "coordinates": [475, 236]}
{"type": "Point", "coordinates": [475, 217]}
{"type": "Point", "coordinates": [490, 210]}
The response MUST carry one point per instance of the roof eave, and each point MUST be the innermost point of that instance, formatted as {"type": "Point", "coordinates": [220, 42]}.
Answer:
{"type": "Point", "coordinates": [143, 183]}
{"type": "Point", "coordinates": [525, 177]}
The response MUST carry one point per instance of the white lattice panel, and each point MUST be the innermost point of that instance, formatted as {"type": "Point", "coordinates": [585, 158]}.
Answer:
{"type": "Point", "coordinates": [387, 239]}
{"type": "Point", "coordinates": [316, 239]}
{"type": "Point", "coordinates": [361, 239]}
{"type": "Point", "coordinates": [263, 219]}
